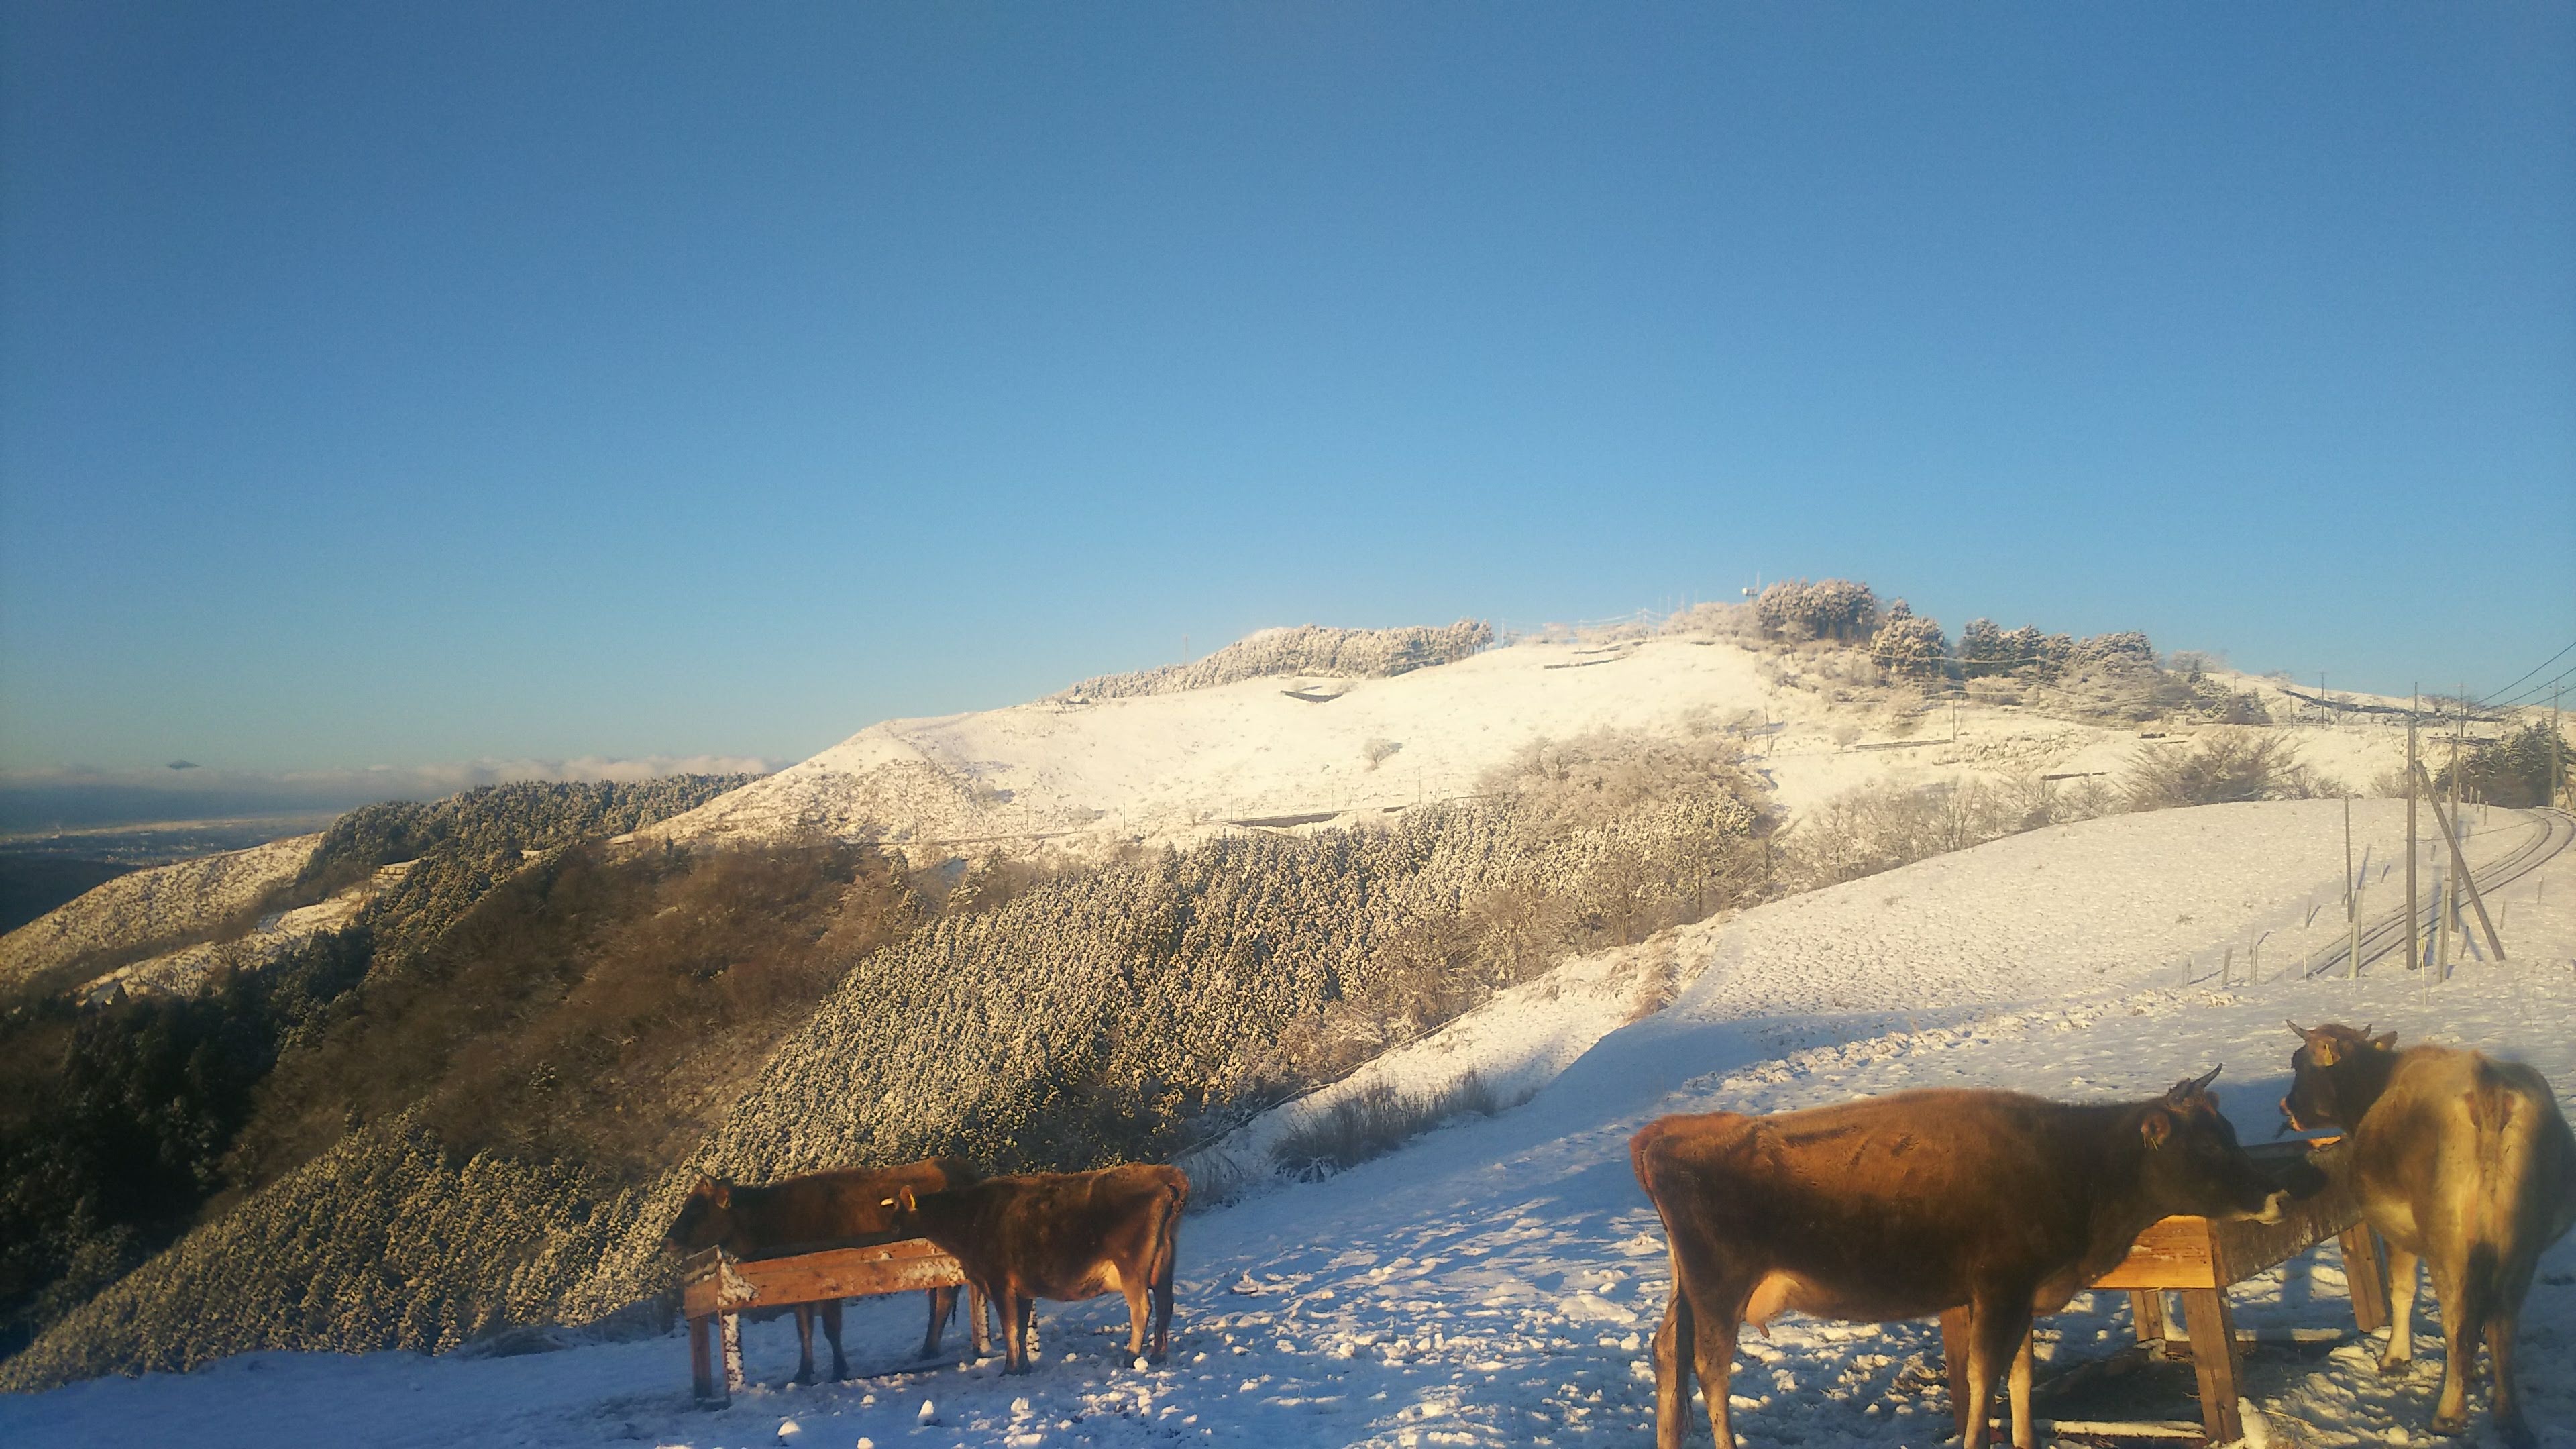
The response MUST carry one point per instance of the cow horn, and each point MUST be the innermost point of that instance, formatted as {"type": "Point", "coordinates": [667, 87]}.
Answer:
{"type": "Point", "coordinates": [2294, 1026]}
{"type": "Point", "coordinates": [2191, 1087]}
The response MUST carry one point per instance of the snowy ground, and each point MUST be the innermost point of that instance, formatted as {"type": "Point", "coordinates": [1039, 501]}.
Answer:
{"type": "Point", "coordinates": [1495, 1282]}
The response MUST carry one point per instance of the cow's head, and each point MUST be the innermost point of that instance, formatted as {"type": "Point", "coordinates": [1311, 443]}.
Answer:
{"type": "Point", "coordinates": [2331, 1074]}
{"type": "Point", "coordinates": [903, 1213]}
{"type": "Point", "coordinates": [705, 1219]}
{"type": "Point", "coordinates": [2195, 1165]}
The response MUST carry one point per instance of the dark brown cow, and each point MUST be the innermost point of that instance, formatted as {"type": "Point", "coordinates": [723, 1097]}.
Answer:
{"type": "Point", "coordinates": [843, 1209]}
{"type": "Point", "coordinates": [1065, 1236]}
{"type": "Point", "coordinates": [2460, 1161]}
{"type": "Point", "coordinates": [1910, 1205]}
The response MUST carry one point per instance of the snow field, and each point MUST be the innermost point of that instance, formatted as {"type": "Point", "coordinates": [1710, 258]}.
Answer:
{"type": "Point", "coordinates": [1496, 1281]}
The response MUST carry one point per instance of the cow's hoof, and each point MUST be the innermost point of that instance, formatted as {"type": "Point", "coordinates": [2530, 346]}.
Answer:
{"type": "Point", "coordinates": [2450, 1423]}
{"type": "Point", "coordinates": [2394, 1365]}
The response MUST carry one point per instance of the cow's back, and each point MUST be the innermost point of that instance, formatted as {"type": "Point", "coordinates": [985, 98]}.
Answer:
{"type": "Point", "coordinates": [844, 1207]}
{"type": "Point", "coordinates": [1895, 1199]}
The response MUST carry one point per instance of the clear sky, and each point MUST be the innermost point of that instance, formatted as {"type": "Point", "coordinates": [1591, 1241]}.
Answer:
{"type": "Point", "coordinates": [415, 384]}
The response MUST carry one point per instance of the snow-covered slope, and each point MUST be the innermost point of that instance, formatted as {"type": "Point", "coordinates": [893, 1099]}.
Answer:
{"type": "Point", "coordinates": [1299, 749]}
{"type": "Point", "coordinates": [188, 969]}
{"type": "Point", "coordinates": [1495, 1282]}
{"type": "Point", "coordinates": [163, 903]}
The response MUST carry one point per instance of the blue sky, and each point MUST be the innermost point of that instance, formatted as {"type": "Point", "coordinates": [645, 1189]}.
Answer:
{"type": "Point", "coordinates": [400, 385]}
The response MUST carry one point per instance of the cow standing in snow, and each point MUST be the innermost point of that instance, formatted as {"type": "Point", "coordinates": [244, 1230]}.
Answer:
{"type": "Point", "coordinates": [2460, 1161]}
{"type": "Point", "coordinates": [1910, 1205]}
{"type": "Point", "coordinates": [1066, 1236]}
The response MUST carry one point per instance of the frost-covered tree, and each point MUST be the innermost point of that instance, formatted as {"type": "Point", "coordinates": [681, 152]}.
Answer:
{"type": "Point", "coordinates": [1907, 644]}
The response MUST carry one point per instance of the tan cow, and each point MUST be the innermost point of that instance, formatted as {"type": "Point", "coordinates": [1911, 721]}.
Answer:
{"type": "Point", "coordinates": [2461, 1161]}
{"type": "Point", "coordinates": [1910, 1205]}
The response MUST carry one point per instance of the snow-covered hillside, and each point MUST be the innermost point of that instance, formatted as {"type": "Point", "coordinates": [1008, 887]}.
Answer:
{"type": "Point", "coordinates": [1495, 1282]}
{"type": "Point", "coordinates": [185, 898]}
{"type": "Point", "coordinates": [1305, 750]}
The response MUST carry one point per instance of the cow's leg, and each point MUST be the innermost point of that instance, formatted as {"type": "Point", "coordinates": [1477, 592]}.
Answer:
{"type": "Point", "coordinates": [1140, 1299]}
{"type": "Point", "coordinates": [2400, 1351]}
{"type": "Point", "coordinates": [943, 1302]}
{"type": "Point", "coordinates": [1716, 1318]}
{"type": "Point", "coordinates": [804, 1343]}
{"type": "Point", "coordinates": [1998, 1319]}
{"type": "Point", "coordinates": [1015, 1328]}
{"type": "Point", "coordinates": [1024, 1317]}
{"type": "Point", "coordinates": [2021, 1426]}
{"type": "Point", "coordinates": [2507, 1403]}
{"type": "Point", "coordinates": [832, 1331]}
{"type": "Point", "coordinates": [2462, 1325]}
{"type": "Point", "coordinates": [1673, 1350]}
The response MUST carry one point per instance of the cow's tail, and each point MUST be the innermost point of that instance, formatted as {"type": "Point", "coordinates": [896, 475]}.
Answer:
{"type": "Point", "coordinates": [1175, 1199]}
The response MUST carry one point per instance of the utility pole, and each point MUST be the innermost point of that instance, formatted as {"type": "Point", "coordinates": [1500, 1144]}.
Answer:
{"type": "Point", "coordinates": [2458, 829]}
{"type": "Point", "coordinates": [2468, 882]}
{"type": "Point", "coordinates": [2553, 747]}
{"type": "Point", "coordinates": [2347, 855]}
{"type": "Point", "coordinates": [2414, 917]}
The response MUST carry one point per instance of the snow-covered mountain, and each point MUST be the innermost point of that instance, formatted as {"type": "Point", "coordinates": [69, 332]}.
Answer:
{"type": "Point", "coordinates": [1076, 773]}
{"type": "Point", "coordinates": [1495, 1282]}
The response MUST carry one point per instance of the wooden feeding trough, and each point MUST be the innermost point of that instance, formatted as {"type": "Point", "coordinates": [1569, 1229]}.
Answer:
{"type": "Point", "coordinates": [717, 1288]}
{"type": "Point", "coordinates": [2201, 1258]}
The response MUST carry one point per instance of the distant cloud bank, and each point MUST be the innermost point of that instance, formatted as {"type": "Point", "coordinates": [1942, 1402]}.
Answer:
{"type": "Point", "coordinates": [36, 801]}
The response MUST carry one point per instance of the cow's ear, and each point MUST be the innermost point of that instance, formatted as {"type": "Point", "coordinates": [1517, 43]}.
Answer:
{"type": "Point", "coordinates": [2157, 1128]}
{"type": "Point", "coordinates": [2385, 1041]}
{"type": "Point", "coordinates": [704, 1187]}
{"type": "Point", "coordinates": [904, 1196]}
{"type": "Point", "coordinates": [724, 1194]}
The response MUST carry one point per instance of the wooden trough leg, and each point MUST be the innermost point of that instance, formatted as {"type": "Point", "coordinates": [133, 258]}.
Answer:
{"type": "Point", "coordinates": [702, 1367]}
{"type": "Point", "coordinates": [2213, 1362]}
{"type": "Point", "coordinates": [975, 1312]}
{"type": "Point", "coordinates": [2147, 1319]}
{"type": "Point", "coordinates": [2367, 1273]}
{"type": "Point", "coordinates": [729, 1331]}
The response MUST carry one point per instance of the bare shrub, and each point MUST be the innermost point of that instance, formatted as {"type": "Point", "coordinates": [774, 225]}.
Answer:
{"type": "Point", "coordinates": [1714, 621]}
{"type": "Point", "coordinates": [1305, 649]}
{"type": "Point", "coordinates": [1372, 1122]}
{"type": "Point", "coordinates": [1377, 750]}
{"type": "Point", "coordinates": [1879, 827]}
{"type": "Point", "coordinates": [2223, 766]}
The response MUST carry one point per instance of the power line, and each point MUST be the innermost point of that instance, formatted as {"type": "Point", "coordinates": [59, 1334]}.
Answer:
{"type": "Point", "coordinates": [2534, 692]}
{"type": "Point", "coordinates": [2526, 674]}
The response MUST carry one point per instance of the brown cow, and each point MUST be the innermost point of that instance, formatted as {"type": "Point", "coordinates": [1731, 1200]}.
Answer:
{"type": "Point", "coordinates": [1910, 1205]}
{"type": "Point", "coordinates": [1065, 1236]}
{"type": "Point", "coordinates": [842, 1209]}
{"type": "Point", "coordinates": [2460, 1161]}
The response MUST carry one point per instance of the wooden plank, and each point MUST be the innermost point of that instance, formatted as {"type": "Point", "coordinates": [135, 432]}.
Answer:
{"type": "Point", "coordinates": [702, 1366]}
{"type": "Point", "coordinates": [2366, 1271]}
{"type": "Point", "coordinates": [2147, 1318]}
{"type": "Point", "coordinates": [727, 1285]}
{"type": "Point", "coordinates": [2171, 1253]}
{"type": "Point", "coordinates": [2213, 1362]}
